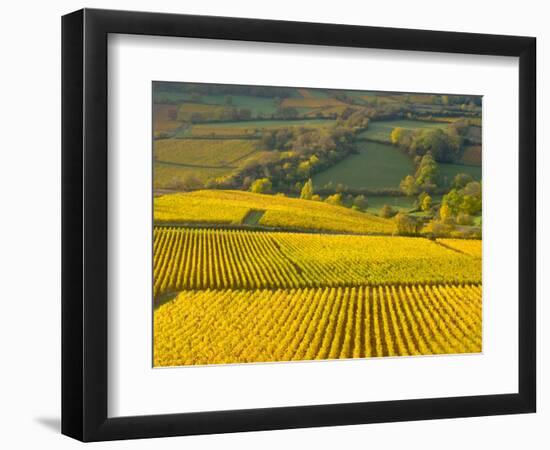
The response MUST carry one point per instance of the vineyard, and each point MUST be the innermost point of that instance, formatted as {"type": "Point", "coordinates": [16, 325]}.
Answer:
{"type": "Point", "coordinates": [221, 259]}
{"type": "Point", "coordinates": [236, 295]}
{"type": "Point", "coordinates": [231, 207]}
{"type": "Point", "coordinates": [239, 326]}
{"type": "Point", "coordinates": [470, 247]}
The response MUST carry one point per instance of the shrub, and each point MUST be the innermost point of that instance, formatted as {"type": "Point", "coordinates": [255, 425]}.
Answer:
{"type": "Point", "coordinates": [335, 199]}
{"type": "Point", "coordinates": [387, 212]}
{"type": "Point", "coordinates": [407, 225]}
{"type": "Point", "coordinates": [441, 229]}
{"type": "Point", "coordinates": [261, 186]}
{"type": "Point", "coordinates": [360, 202]}
{"type": "Point", "coordinates": [464, 219]}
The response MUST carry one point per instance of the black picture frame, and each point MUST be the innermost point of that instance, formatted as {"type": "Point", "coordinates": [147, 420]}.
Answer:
{"type": "Point", "coordinates": [84, 224]}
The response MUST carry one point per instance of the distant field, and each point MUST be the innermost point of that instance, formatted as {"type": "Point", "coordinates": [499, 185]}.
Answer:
{"type": "Point", "coordinates": [381, 130]}
{"type": "Point", "coordinates": [251, 127]}
{"type": "Point", "coordinates": [169, 97]}
{"type": "Point", "coordinates": [474, 134]}
{"type": "Point", "coordinates": [203, 152]}
{"type": "Point", "coordinates": [232, 207]}
{"type": "Point", "coordinates": [380, 99]}
{"type": "Point", "coordinates": [376, 166]}
{"type": "Point", "coordinates": [472, 155]}
{"type": "Point", "coordinates": [305, 93]}
{"type": "Point", "coordinates": [448, 172]}
{"type": "Point", "coordinates": [257, 105]}
{"type": "Point", "coordinates": [311, 102]}
{"type": "Point", "coordinates": [312, 93]}
{"type": "Point", "coordinates": [401, 203]}
{"type": "Point", "coordinates": [473, 121]}
{"type": "Point", "coordinates": [219, 132]}
{"type": "Point", "coordinates": [187, 110]}
{"type": "Point", "coordinates": [326, 111]}
{"type": "Point", "coordinates": [165, 119]}
{"type": "Point", "coordinates": [426, 99]}
{"type": "Point", "coordinates": [166, 174]}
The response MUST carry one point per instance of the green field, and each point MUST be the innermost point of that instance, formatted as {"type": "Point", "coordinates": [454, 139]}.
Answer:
{"type": "Point", "coordinates": [202, 159]}
{"type": "Point", "coordinates": [249, 127]}
{"type": "Point", "coordinates": [448, 172]}
{"type": "Point", "coordinates": [166, 175]}
{"type": "Point", "coordinates": [376, 166]}
{"type": "Point", "coordinates": [381, 130]}
{"type": "Point", "coordinates": [268, 124]}
{"type": "Point", "coordinates": [400, 203]}
{"type": "Point", "coordinates": [257, 105]}
{"type": "Point", "coordinates": [169, 97]}
{"type": "Point", "coordinates": [312, 93]}
{"type": "Point", "coordinates": [203, 152]}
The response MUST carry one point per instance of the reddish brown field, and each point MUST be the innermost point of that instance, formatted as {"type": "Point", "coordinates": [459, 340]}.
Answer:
{"type": "Point", "coordinates": [472, 155]}
{"type": "Point", "coordinates": [165, 118]}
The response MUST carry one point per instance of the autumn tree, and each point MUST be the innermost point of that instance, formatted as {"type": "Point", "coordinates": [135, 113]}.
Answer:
{"type": "Point", "coordinates": [261, 186]}
{"type": "Point", "coordinates": [445, 212]}
{"type": "Point", "coordinates": [187, 182]}
{"type": "Point", "coordinates": [360, 202]}
{"type": "Point", "coordinates": [335, 199]}
{"type": "Point", "coordinates": [426, 204]}
{"type": "Point", "coordinates": [408, 186]}
{"type": "Point", "coordinates": [387, 212]}
{"type": "Point", "coordinates": [396, 135]}
{"type": "Point", "coordinates": [427, 173]}
{"type": "Point", "coordinates": [407, 225]}
{"type": "Point", "coordinates": [461, 179]}
{"type": "Point", "coordinates": [307, 190]}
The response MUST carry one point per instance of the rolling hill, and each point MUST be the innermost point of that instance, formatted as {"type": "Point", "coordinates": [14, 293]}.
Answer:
{"type": "Point", "coordinates": [261, 210]}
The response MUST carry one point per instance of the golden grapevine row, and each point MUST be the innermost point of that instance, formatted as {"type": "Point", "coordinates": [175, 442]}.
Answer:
{"type": "Point", "coordinates": [238, 326]}
{"type": "Point", "coordinates": [187, 259]}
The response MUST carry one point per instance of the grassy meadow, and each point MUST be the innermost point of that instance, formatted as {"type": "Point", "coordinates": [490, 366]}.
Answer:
{"type": "Point", "coordinates": [251, 127]}
{"type": "Point", "coordinates": [296, 224]}
{"type": "Point", "coordinates": [204, 152]}
{"type": "Point", "coordinates": [374, 166]}
{"type": "Point", "coordinates": [381, 131]}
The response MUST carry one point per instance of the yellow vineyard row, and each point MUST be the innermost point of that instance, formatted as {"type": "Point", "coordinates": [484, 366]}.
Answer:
{"type": "Point", "coordinates": [239, 326]}
{"type": "Point", "coordinates": [471, 247]}
{"type": "Point", "coordinates": [186, 259]}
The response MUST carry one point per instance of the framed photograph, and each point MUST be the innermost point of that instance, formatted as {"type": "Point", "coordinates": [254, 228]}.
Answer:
{"type": "Point", "coordinates": [273, 225]}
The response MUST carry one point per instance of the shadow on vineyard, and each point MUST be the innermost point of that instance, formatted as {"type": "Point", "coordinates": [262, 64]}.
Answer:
{"type": "Point", "coordinates": [253, 217]}
{"type": "Point", "coordinates": [165, 297]}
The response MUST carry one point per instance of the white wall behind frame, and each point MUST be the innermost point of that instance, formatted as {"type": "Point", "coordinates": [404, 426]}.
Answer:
{"type": "Point", "coordinates": [30, 387]}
